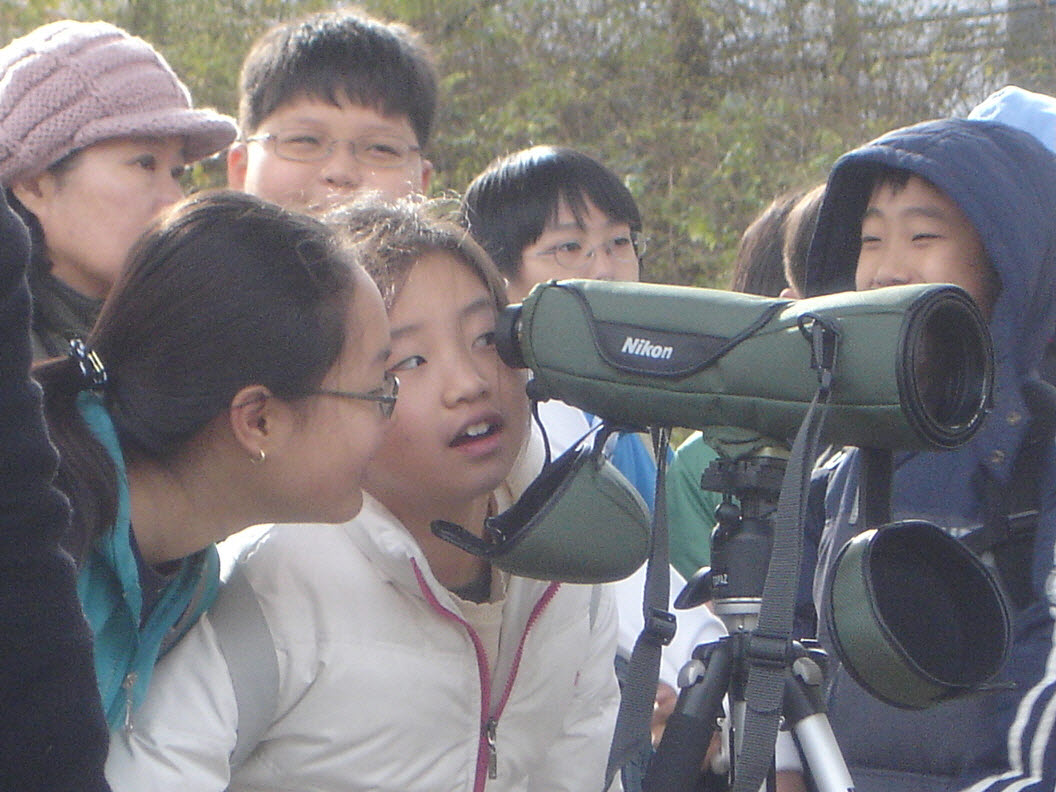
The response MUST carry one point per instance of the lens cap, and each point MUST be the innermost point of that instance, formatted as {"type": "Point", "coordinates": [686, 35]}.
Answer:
{"type": "Point", "coordinates": [915, 616]}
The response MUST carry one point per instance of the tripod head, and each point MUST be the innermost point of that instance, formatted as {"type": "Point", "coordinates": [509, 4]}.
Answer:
{"type": "Point", "coordinates": [748, 474]}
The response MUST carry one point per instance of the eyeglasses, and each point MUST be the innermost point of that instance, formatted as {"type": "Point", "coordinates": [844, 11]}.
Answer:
{"type": "Point", "coordinates": [375, 151]}
{"type": "Point", "coordinates": [385, 396]}
{"type": "Point", "coordinates": [572, 255]}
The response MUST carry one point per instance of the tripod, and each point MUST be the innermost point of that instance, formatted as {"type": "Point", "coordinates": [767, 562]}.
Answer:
{"type": "Point", "coordinates": [740, 559]}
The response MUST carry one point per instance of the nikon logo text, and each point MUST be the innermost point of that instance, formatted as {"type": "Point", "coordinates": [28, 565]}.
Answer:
{"type": "Point", "coordinates": [642, 347]}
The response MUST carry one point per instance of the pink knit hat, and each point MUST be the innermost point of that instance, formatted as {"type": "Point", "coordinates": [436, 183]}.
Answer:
{"type": "Point", "coordinates": [70, 84]}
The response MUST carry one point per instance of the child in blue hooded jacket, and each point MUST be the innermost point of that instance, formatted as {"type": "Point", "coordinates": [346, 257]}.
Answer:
{"type": "Point", "coordinates": [973, 203]}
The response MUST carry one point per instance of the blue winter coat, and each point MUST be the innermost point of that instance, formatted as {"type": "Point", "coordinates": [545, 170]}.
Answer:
{"type": "Point", "coordinates": [1005, 183]}
{"type": "Point", "coordinates": [108, 584]}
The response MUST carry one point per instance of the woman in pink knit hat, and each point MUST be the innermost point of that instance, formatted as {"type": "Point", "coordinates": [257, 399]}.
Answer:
{"type": "Point", "coordinates": [95, 132]}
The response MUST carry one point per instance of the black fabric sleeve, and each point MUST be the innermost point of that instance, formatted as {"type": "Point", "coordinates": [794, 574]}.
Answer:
{"type": "Point", "coordinates": [52, 734]}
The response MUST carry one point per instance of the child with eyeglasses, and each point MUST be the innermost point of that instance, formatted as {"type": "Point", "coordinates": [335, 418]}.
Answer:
{"type": "Point", "coordinates": [552, 213]}
{"type": "Point", "coordinates": [334, 105]}
{"type": "Point", "coordinates": [399, 661]}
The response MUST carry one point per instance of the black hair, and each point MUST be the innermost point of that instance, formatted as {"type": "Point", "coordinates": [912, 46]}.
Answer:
{"type": "Point", "coordinates": [377, 64]}
{"type": "Point", "coordinates": [222, 292]}
{"type": "Point", "coordinates": [759, 267]}
{"type": "Point", "coordinates": [507, 206]}
{"type": "Point", "coordinates": [799, 230]}
{"type": "Point", "coordinates": [886, 176]}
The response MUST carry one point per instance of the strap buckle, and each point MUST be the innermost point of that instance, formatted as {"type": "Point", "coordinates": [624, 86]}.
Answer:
{"type": "Point", "coordinates": [773, 651]}
{"type": "Point", "coordinates": [823, 335]}
{"type": "Point", "coordinates": [660, 626]}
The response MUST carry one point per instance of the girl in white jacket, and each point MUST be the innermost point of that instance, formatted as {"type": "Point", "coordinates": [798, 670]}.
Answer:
{"type": "Point", "coordinates": [399, 661]}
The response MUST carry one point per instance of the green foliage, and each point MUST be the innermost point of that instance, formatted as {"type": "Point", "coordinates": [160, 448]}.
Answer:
{"type": "Point", "coordinates": [708, 109]}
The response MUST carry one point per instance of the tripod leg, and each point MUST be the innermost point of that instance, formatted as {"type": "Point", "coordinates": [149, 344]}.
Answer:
{"type": "Point", "coordinates": [678, 759]}
{"type": "Point", "coordinates": [804, 709]}
{"type": "Point", "coordinates": [822, 754]}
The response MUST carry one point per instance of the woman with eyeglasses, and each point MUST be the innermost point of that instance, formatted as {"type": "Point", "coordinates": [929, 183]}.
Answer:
{"type": "Point", "coordinates": [236, 375]}
{"type": "Point", "coordinates": [96, 131]}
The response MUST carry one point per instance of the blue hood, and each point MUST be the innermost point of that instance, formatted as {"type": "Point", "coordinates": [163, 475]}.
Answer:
{"type": "Point", "coordinates": [1032, 112]}
{"type": "Point", "coordinates": [1004, 181]}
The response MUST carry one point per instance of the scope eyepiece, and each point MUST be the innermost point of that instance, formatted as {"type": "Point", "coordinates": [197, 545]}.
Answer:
{"type": "Point", "coordinates": [507, 330]}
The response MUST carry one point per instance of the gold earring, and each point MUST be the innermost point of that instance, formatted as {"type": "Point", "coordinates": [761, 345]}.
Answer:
{"type": "Point", "coordinates": [259, 459]}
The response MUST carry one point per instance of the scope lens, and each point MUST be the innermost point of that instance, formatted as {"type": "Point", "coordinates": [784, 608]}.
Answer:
{"type": "Point", "coordinates": [949, 356]}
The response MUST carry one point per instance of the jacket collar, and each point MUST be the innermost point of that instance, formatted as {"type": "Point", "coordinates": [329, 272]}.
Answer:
{"type": "Point", "coordinates": [380, 535]}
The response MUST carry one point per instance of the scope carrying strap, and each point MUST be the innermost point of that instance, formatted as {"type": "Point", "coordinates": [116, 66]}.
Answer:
{"type": "Point", "coordinates": [1011, 508]}
{"type": "Point", "coordinates": [770, 644]}
{"type": "Point", "coordinates": [633, 732]}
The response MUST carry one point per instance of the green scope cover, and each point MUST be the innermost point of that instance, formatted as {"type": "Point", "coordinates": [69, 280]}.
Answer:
{"type": "Point", "coordinates": [913, 365]}
{"type": "Point", "coordinates": [579, 521]}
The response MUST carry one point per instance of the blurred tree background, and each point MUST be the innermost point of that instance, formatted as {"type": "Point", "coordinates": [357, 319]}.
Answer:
{"type": "Point", "coordinates": [707, 108]}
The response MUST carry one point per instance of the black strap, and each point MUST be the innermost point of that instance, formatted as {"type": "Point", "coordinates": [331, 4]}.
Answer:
{"type": "Point", "coordinates": [769, 649]}
{"type": "Point", "coordinates": [542, 429]}
{"type": "Point", "coordinates": [633, 733]}
{"type": "Point", "coordinates": [874, 488]}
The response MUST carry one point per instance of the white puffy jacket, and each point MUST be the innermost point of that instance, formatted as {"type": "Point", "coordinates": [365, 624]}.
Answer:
{"type": "Point", "coordinates": [382, 684]}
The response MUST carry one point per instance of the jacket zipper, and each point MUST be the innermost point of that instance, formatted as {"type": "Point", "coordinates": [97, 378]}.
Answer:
{"type": "Point", "coordinates": [492, 724]}
{"type": "Point", "coordinates": [127, 685]}
{"type": "Point", "coordinates": [485, 757]}
{"type": "Point", "coordinates": [487, 751]}
{"type": "Point", "coordinates": [493, 755]}
{"type": "Point", "coordinates": [183, 623]}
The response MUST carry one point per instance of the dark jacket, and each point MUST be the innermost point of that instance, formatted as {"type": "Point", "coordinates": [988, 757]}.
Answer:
{"type": "Point", "coordinates": [59, 313]}
{"type": "Point", "coordinates": [53, 735]}
{"type": "Point", "coordinates": [1005, 183]}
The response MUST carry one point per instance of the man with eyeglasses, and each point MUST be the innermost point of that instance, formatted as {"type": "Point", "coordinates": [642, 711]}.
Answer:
{"type": "Point", "coordinates": [335, 105]}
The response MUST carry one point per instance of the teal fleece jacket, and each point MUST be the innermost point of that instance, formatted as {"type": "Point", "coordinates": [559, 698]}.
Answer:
{"type": "Point", "coordinates": [126, 645]}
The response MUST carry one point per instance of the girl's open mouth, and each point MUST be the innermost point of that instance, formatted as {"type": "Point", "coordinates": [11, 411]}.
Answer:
{"type": "Point", "coordinates": [476, 432]}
